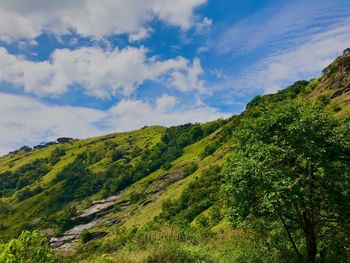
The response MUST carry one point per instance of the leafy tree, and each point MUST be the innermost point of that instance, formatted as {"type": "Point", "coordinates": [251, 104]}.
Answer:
{"type": "Point", "coordinates": [29, 247]}
{"type": "Point", "coordinates": [291, 165]}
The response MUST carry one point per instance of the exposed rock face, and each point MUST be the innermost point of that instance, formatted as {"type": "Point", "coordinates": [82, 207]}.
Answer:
{"type": "Point", "coordinates": [86, 219]}
{"type": "Point", "coordinates": [337, 76]}
{"type": "Point", "coordinates": [333, 87]}
{"type": "Point", "coordinates": [97, 209]}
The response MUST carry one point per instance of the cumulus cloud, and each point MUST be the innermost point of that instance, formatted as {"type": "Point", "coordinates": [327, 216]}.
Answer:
{"type": "Point", "coordinates": [187, 78]}
{"type": "Point", "coordinates": [100, 73]}
{"type": "Point", "coordinates": [27, 121]}
{"type": "Point", "coordinates": [165, 102]}
{"type": "Point", "coordinates": [21, 19]}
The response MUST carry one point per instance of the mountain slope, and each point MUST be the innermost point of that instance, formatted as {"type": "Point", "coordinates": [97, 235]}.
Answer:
{"type": "Point", "coordinates": [91, 189]}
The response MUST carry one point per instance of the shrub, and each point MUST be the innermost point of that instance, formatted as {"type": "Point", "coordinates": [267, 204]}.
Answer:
{"type": "Point", "coordinates": [56, 155]}
{"type": "Point", "coordinates": [209, 149]}
{"type": "Point", "coordinates": [190, 169]}
{"type": "Point", "coordinates": [30, 247]}
{"type": "Point", "coordinates": [85, 236]}
{"type": "Point", "coordinates": [117, 155]}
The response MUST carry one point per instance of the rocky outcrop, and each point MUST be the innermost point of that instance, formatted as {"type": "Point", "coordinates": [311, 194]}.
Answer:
{"type": "Point", "coordinates": [336, 77]}
{"type": "Point", "coordinates": [86, 219]}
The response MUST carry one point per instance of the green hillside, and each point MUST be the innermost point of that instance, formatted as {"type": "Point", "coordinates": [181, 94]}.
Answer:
{"type": "Point", "coordinates": [160, 194]}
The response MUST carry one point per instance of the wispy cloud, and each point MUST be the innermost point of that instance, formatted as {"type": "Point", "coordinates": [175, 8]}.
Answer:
{"type": "Point", "coordinates": [293, 41]}
{"type": "Point", "coordinates": [289, 21]}
{"type": "Point", "coordinates": [303, 61]}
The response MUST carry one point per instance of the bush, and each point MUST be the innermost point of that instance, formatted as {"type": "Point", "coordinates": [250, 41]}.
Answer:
{"type": "Point", "coordinates": [27, 193]}
{"type": "Point", "coordinates": [56, 155]}
{"type": "Point", "coordinates": [29, 247]}
{"type": "Point", "coordinates": [117, 155]}
{"type": "Point", "coordinates": [190, 169]}
{"type": "Point", "coordinates": [209, 149]}
{"type": "Point", "coordinates": [85, 236]}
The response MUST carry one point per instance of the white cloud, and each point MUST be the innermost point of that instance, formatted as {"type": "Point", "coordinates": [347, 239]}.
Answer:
{"type": "Point", "coordinates": [101, 73]}
{"type": "Point", "coordinates": [165, 103]}
{"type": "Point", "coordinates": [140, 35]}
{"type": "Point", "coordinates": [303, 61]}
{"type": "Point", "coordinates": [281, 23]}
{"type": "Point", "coordinates": [176, 13]}
{"type": "Point", "coordinates": [188, 78]}
{"type": "Point", "coordinates": [27, 121]}
{"type": "Point", "coordinates": [29, 19]}
{"type": "Point", "coordinates": [132, 114]}
{"type": "Point", "coordinates": [203, 25]}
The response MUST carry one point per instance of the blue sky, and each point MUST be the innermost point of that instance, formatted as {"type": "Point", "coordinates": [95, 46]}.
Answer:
{"type": "Point", "coordinates": [85, 68]}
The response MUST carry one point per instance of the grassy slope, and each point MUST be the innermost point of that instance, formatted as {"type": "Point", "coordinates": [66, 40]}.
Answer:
{"type": "Point", "coordinates": [20, 214]}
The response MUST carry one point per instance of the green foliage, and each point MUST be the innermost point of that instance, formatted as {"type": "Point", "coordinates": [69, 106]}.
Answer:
{"type": "Point", "coordinates": [324, 99]}
{"type": "Point", "coordinates": [30, 247]}
{"type": "Point", "coordinates": [57, 154]}
{"type": "Point", "coordinates": [117, 155]}
{"type": "Point", "coordinates": [289, 165]}
{"type": "Point", "coordinates": [190, 169]}
{"type": "Point", "coordinates": [255, 101]}
{"type": "Point", "coordinates": [210, 149]}
{"type": "Point", "coordinates": [25, 175]}
{"type": "Point", "coordinates": [290, 92]}
{"type": "Point", "coordinates": [199, 196]}
{"type": "Point", "coordinates": [64, 218]}
{"type": "Point", "coordinates": [310, 87]}
{"type": "Point", "coordinates": [78, 181]}
{"type": "Point", "coordinates": [136, 197]}
{"type": "Point", "coordinates": [171, 252]}
{"type": "Point", "coordinates": [85, 236]}
{"type": "Point", "coordinates": [27, 193]}
{"type": "Point", "coordinates": [121, 175]}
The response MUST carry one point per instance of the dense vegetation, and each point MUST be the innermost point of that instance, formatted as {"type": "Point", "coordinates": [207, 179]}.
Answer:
{"type": "Point", "coordinates": [28, 247]}
{"type": "Point", "coordinates": [29, 173]}
{"type": "Point", "coordinates": [268, 185]}
{"type": "Point", "coordinates": [291, 167]}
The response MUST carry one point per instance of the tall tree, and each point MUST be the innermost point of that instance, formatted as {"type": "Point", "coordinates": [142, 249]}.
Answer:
{"type": "Point", "coordinates": [291, 164]}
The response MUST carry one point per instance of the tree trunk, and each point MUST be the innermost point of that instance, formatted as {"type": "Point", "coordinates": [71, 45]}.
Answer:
{"type": "Point", "coordinates": [290, 237]}
{"type": "Point", "coordinates": [310, 237]}
{"type": "Point", "coordinates": [308, 218]}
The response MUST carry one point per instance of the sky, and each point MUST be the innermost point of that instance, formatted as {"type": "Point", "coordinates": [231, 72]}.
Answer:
{"type": "Point", "coordinates": [85, 68]}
